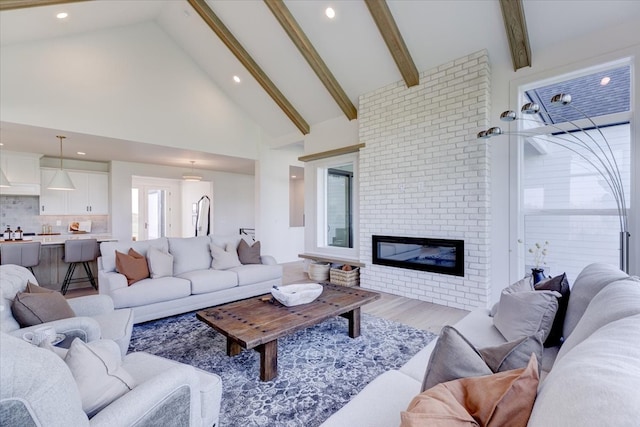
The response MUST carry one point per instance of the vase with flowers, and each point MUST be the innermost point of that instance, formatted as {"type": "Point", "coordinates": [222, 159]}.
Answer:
{"type": "Point", "coordinates": [539, 252]}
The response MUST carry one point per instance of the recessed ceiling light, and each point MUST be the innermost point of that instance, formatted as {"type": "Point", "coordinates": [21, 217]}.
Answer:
{"type": "Point", "coordinates": [236, 79]}
{"type": "Point", "coordinates": [330, 13]}
{"type": "Point", "coordinates": [293, 176]}
{"type": "Point", "coordinates": [62, 15]}
{"type": "Point", "coordinates": [605, 81]}
{"type": "Point", "coordinates": [81, 153]}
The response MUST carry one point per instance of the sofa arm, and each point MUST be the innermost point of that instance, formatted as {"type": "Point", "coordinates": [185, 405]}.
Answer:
{"type": "Point", "coordinates": [109, 281]}
{"type": "Point", "coordinates": [91, 305]}
{"type": "Point", "coordinates": [170, 398]}
{"type": "Point", "coordinates": [268, 260]}
{"type": "Point", "coordinates": [85, 328]}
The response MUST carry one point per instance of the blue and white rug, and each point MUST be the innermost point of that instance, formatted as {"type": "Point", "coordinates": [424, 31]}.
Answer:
{"type": "Point", "coordinates": [319, 369]}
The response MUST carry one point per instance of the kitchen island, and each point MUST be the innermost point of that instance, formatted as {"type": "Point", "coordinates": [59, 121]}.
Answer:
{"type": "Point", "coordinates": [51, 270]}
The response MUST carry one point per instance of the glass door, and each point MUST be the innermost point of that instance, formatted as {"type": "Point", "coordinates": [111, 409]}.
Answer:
{"type": "Point", "coordinates": [150, 212]}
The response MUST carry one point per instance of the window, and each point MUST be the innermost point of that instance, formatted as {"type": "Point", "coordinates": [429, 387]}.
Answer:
{"type": "Point", "coordinates": [564, 199]}
{"type": "Point", "coordinates": [335, 184]}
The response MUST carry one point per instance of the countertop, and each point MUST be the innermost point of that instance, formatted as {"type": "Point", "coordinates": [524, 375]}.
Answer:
{"type": "Point", "coordinates": [60, 238]}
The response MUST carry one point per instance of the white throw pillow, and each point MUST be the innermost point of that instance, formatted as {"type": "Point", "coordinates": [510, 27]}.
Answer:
{"type": "Point", "coordinates": [160, 263]}
{"type": "Point", "coordinates": [96, 368]}
{"type": "Point", "coordinates": [224, 259]}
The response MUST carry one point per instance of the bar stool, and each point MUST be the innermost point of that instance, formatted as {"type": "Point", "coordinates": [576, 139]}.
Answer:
{"type": "Point", "coordinates": [79, 251]}
{"type": "Point", "coordinates": [25, 254]}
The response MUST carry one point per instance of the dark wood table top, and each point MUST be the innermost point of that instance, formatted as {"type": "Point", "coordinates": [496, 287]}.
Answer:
{"type": "Point", "coordinates": [253, 322]}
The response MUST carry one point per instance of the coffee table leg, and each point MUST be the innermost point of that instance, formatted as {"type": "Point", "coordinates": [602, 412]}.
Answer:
{"type": "Point", "coordinates": [268, 360]}
{"type": "Point", "coordinates": [233, 348]}
{"type": "Point", "coordinates": [354, 322]}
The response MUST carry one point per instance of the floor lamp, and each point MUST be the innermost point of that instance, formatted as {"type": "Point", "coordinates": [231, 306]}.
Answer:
{"type": "Point", "coordinates": [596, 151]}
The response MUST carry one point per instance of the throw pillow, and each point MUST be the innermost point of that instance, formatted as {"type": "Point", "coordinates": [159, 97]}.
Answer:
{"type": "Point", "coordinates": [454, 357]}
{"type": "Point", "coordinates": [501, 399]}
{"type": "Point", "coordinates": [525, 313]}
{"type": "Point", "coordinates": [559, 284]}
{"type": "Point", "coordinates": [39, 305]}
{"type": "Point", "coordinates": [224, 259]}
{"type": "Point", "coordinates": [523, 284]}
{"type": "Point", "coordinates": [160, 263]}
{"type": "Point", "coordinates": [96, 368]}
{"type": "Point", "coordinates": [132, 265]}
{"type": "Point", "coordinates": [249, 254]}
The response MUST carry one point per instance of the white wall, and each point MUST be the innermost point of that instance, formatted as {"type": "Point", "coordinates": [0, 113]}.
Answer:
{"type": "Point", "coordinates": [131, 83]}
{"type": "Point", "coordinates": [272, 192]}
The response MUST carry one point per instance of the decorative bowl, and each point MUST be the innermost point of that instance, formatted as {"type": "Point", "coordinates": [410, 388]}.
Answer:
{"type": "Point", "coordinates": [296, 294]}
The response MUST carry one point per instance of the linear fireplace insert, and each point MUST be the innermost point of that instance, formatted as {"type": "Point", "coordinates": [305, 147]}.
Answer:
{"type": "Point", "coordinates": [419, 253]}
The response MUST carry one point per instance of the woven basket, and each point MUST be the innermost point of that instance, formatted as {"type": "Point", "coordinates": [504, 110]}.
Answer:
{"type": "Point", "coordinates": [345, 278]}
{"type": "Point", "coordinates": [319, 272]}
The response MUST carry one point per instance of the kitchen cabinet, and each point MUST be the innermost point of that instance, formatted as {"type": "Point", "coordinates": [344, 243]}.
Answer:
{"type": "Point", "coordinates": [22, 171]}
{"type": "Point", "coordinates": [52, 202]}
{"type": "Point", "coordinates": [91, 196]}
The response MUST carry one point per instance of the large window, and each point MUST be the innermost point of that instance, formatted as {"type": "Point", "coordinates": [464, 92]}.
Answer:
{"type": "Point", "coordinates": [564, 199]}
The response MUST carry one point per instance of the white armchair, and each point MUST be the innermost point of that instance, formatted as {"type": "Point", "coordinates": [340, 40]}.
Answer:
{"type": "Point", "coordinates": [38, 388]}
{"type": "Point", "coordinates": [95, 314]}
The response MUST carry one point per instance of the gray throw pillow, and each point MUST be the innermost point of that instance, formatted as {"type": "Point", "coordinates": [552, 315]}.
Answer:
{"type": "Point", "coordinates": [40, 306]}
{"type": "Point", "coordinates": [454, 357]}
{"type": "Point", "coordinates": [160, 263]}
{"type": "Point", "coordinates": [224, 259]}
{"type": "Point", "coordinates": [525, 313]}
{"type": "Point", "coordinates": [249, 254]}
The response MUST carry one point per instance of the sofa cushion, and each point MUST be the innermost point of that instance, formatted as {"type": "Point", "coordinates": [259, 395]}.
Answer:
{"type": "Point", "coordinates": [96, 368]}
{"type": "Point", "coordinates": [224, 259]}
{"type": "Point", "coordinates": [525, 313]}
{"type": "Point", "coordinates": [596, 382]}
{"type": "Point", "coordinates": [108, 250]}
{"type": "Point", "coordinates": [190, 254]}
{"type": "Point", "coordinates": [256, 273]}
{"type": "Point", "coordinates": [205, 281]}
{"type": "Point", "coordinates": [616, 301]}
{"type": "Point", "coordinates": [160, 263]}
{"type": "Point", "coordinates": [589, 282]}
{"type": "Point", "coordinates": [455, 357]}
{"type": "Point", "coordinates": [249, 254]}
{"type": "Point", "coordinates": [133, 265]}
{"type": "Point", "coordinates": [40, 307]}
{"type": "Point", "coordinates": [149, 291]}
{"type": "Point", "coordinates": [559, 284]}
{"type": "Point", "coordinates": [523, 284]}
{"type": "Point", "coordinates": [501, 399]}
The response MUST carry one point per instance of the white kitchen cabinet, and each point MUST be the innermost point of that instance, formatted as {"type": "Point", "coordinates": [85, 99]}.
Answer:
{"type": "Point", "coordinates": [23, 172]}
{"type": "Point", "coordinates": [52, 202]}
{"type": "Point", "coordinates": [91, 196]}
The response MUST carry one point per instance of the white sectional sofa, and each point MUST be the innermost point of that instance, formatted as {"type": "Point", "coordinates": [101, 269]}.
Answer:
{"type": "Point", "coordinates": [193, 285]}
{"type": "Point", "coordinates": [592, 379]}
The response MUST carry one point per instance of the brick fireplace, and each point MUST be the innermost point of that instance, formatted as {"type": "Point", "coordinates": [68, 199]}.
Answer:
{"type": "Point", "coordinates": [424, 174]}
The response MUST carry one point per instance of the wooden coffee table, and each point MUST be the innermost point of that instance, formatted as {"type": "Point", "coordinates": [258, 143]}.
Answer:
{"type": "Point", "coordinates": [255, 323]}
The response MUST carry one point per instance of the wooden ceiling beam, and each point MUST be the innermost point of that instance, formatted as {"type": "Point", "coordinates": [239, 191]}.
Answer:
{"type": "Point", "coordinates": [304, 45]}
{"type": "Point", "coordinates": [516, 27]}
{"type": "Point", "coordinates": [21, 4]}
{"type": "Point", "coordinates": [391, 34]}
{"type": "Point", "coordinates": [218, 27]}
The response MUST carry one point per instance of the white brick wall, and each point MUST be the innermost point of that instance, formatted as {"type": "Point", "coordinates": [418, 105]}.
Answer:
{"type": "Point", "coordinates": [423, 173]}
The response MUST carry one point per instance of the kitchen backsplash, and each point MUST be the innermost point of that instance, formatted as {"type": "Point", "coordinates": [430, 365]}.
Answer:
{"type": "Point", "coordinates": [23, 211]}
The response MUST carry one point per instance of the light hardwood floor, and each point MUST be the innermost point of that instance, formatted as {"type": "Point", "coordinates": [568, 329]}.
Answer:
{"type": "Point", "coordinates": [418, 314]}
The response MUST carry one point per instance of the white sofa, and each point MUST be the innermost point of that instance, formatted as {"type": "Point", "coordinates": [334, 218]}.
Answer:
{"type": "Point", "coordinates": [593, 379]}
{"type": "Point", "coordinates": [194, 283]}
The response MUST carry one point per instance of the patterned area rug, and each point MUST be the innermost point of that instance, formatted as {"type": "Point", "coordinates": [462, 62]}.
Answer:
{"type": "Point", "coordinates": [319, 369]}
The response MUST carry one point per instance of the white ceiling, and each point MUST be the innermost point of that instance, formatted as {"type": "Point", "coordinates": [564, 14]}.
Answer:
{"type": "Point", "coordinates": [435, 32]}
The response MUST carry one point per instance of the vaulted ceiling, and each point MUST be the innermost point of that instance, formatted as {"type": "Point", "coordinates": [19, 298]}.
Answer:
{"type": "Point", "coordinates": [298, 68]}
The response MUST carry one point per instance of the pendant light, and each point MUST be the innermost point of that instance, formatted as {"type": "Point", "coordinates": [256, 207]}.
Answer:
{"type": "Point", "coordinates": [61, 180]}
{"type": "Point", "coordinates": [191, 176]}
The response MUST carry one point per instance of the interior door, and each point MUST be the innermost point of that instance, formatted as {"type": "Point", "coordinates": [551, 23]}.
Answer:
{"type": "Point", "coordinates": [151, 212]}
